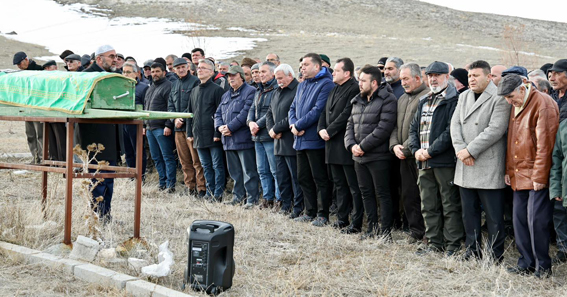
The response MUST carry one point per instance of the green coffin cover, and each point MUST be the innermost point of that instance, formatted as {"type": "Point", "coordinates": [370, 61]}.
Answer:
{"type": "Point", "coordinates": [51, 90]}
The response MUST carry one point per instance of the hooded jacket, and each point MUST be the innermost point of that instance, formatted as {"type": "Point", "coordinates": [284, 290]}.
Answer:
{"type": "Point", "coordinates": [440, 144]}
{"type": "Point", "coordinates": [310, 99]}
{"type": "Point", "coordinates": [204, 101]}
{"type": "Point", "coordinates": [156, 100]}
{"type": "Point", "coordinates": [179, 97]}
{"type": "Point", "coordinates": [257, 113]}
{"type": "Point", "coordinates": [371, 123]}
{"type": "Point", "coordinates": [233, 111]}
{"type": "Point", "coordinates": [277, 118]}
{"type": "Point", "coordinates": [334, 119]}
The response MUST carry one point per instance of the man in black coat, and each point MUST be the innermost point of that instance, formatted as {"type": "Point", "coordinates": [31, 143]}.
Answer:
{"type": "Point", "coordinates": [24, 63]}
{"type": "Point", "coordinates": [203, 103]}
{"type": "Point", "coordinates": [277, 124]}
{"type": "Point", "coordinates": [105, 134]}
{"type": "Point", "coordinates": [367, 135]}
{"type": "Point", "coordinates": [178, 102]}
{"type": "Point", "coordinates": [332, 128]}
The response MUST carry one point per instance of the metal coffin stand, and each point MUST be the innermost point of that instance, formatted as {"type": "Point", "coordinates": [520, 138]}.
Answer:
{"type": "Point", "coordinates": [67, 166]}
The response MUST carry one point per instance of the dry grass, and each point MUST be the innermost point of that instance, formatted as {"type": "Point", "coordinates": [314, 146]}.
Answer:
{"type": "Point", "coordinates": [274, 256]}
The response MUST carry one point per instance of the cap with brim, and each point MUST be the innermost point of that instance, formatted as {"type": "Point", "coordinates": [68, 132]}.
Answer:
{"type": "Point", "coordinates": [148, 63]}
{"type": "Point", "coordinates": [120, 56]}
{"type": "Point", "coordinates": [49, 63]}
{"type": "Point", "coordinates": [73, 57]}
{"type": "Point", "coordinates": [129, 58]}
{"type": "Point", "coordinates": [519, 70]}
{"type": "Point", "coordinates": [179, 61]}
{"type": "Point", "coordinates": [19, 57]}
{"type": "Point", "coordinates": [236, 70]}
{"type": "Point", "coordinates": [85, 59]}
{"type": "Point", "coordinates": [255, 66]}
{"type": "Point", "coordinates": [437, 68]}
{"type": "Point", "coordinates": [559, 66]}
{"type": "Point", "coordinates": [508, 84]}
{"type": "Point", "coordinates": [382, 61]}
{"type": "Point", "coordinates": [325, 58]}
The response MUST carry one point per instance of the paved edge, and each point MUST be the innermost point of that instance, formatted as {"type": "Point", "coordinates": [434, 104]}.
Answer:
{"type": "Point", "coordinates": [90, 273]}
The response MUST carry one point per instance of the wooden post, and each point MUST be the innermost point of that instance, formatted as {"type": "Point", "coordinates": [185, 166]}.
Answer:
{"type": "Point", "coordinates": [44, 157]}
{"type": "Point", "coordinates": [139, 155]}
{"type": "Point", "coordinates": [69, 182]}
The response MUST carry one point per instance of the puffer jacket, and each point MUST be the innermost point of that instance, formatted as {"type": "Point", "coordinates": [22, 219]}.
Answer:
{"type": "Point", "coordinates": [204, 101]}
{"type": "Point", "coordinates": [371, 123]}
{"type": "Point", "coordinates": [531, 137]}
{"type": "Point", "coordinates": [310, 99]}
{"type": "Point", "coordinates": [156, 100]}
{"type": "Point", "coordinates": [233, 112]}
{"type": "Point", "coordinates": [440, 143]}
{"type": "Point", "coordinates": [179, 96]}
{"type": "Point", "coordinates": [257, 113]}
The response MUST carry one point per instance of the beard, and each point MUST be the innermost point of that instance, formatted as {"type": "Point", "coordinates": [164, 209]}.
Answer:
{"type": "Point", "coordinates": [439, 88]}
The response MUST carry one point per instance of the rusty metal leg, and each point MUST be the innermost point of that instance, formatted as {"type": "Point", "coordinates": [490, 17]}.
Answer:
{"type": "Point", "coordinates": [44, 174]}
{"type": "Point", "coordinates": [69, 182]}
{"type": "Point", "coordinates": [138, 202]}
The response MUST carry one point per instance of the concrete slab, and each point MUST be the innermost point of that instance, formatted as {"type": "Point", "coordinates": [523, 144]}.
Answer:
{"type": "Point", "coordinates": [120, 280]}
{"type": "Point", "coordinates": [140, 288]}
{"type": "Point", "coordinates": [95, 274]}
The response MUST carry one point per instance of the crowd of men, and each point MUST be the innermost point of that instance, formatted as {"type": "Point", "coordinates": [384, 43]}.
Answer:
{"type": "Point", "coordinates": [424, 149]}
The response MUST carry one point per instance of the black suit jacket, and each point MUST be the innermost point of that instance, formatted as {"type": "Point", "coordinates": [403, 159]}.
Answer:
{"type": "Point", "coordinates": [334, 119]}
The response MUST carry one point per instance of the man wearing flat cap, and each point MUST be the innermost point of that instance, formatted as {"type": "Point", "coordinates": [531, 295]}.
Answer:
{"type": "Point", "coordinates": [430, 143]}
{"type": "Point", "coordinates": [24, 63]}
{"type": "Point", "coordinates": [528, 161]}
{"type": "Point", "coordinates": [74, 63]}
{"type": "Point", "coordinates": [50, 65]}
{"type": "Point", "coordinates": [478, 130]}
{"type": "Point", "coordinates": [193, 176]}
{"type": "Point", "coordinates": [558, 81]}
{"type": "Point", "coordinates": [34, 130]}
{"type": "Point", "coordinates": [230, 121]}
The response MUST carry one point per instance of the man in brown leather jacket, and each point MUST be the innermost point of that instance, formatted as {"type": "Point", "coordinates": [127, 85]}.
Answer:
{"type": "Point", "coordinates": [534, 120]}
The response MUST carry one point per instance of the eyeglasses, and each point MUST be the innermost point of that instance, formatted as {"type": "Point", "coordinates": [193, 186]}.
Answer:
{"type": "Point", "coordinates": [110, 56]}
{"type": "Point", "coordinates": [204, 68]}
{"type": "Point", "coordinates": [127, 72]}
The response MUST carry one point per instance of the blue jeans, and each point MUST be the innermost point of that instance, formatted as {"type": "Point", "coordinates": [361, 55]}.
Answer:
{"type": "Point", "coordinates": [242, 169]}
{"type": "Point", "coordinates": [213, 166]}
{"type": "Point", "coordinates": [266, 162]}
{"type": "Point", "coordinates": [161, 148]}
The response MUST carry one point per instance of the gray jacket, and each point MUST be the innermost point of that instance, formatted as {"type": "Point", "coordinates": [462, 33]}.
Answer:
{"type": "Point", "coordinates": [480, 126]}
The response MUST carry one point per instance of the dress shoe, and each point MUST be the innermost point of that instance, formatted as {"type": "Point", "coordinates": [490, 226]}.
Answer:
{"type": "Point", "coordinates": [351, 230]}
{"type": "Point", "coordinates": [520, 270]}
{"type": "Point", "coordinates": [560, 257]}
{"type": "Point", "coordinates": [543, 273]}
{"type": "Point", "coordinates": [340, 224]}
{"type": "Point", "coordinates": [422, 251]}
